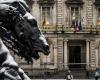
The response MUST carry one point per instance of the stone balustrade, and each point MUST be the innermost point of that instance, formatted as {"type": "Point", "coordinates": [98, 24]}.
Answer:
{"type": "Point", "coordinates": [85, 29]}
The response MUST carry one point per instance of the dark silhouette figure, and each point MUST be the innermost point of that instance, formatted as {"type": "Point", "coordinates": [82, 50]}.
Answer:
{"type": "Point", "coordinates": [87, 73]}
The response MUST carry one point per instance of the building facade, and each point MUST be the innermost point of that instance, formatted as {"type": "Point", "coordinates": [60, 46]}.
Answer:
{"type": "Point", "coordinates": [72, 29]}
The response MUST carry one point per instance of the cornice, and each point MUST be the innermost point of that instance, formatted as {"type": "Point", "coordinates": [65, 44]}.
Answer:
{"type": "Point", "coordinates": [49, 2]}
{"type": "Point", "coordinates": [74, 2]}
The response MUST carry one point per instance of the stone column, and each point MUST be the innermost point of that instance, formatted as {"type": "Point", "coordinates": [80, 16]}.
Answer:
{"type": "Point", "coordinates": [87, 54]}
{"type": "Point", "coordinates": [55, 56]}
{"type": "Point", "coordinates": [65, 54]}
{"type": "Point", "coordinates": [96, 53]}
{"type": "Point", "coordinates": [93, 55]}
{"type": "Point", "coordinates": [55, 53]}
{"type": "Point", "coordinates": [99, 54]}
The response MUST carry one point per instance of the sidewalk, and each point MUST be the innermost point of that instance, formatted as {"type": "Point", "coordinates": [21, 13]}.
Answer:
{"type": "Point", "coordinates": [63, 79]}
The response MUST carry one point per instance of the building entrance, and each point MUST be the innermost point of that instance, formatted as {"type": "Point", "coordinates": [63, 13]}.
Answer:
{"type": "Point", "coordinates": [76, 54]}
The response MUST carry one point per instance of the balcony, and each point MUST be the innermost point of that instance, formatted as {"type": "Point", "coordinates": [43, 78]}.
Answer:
{"type": "Point", "coordinates": [66, 29]}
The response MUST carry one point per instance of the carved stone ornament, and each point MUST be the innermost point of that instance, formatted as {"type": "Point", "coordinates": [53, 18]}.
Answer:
{"type": "Point", "coordinates": [49, 2]}
{"type": "Point", "coordinates": [74, 2]}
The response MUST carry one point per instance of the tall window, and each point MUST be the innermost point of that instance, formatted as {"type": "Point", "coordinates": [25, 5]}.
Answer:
{"type": "Point", "coordinates": [74, 7]}
{"type": "Point", "coordinates": [75, 13]}
{"type": "Point", "coordinates": [46, 7]}
{"type": "Point", "coordinates": [46, 15]}
{"type": "Point", "coordinates": [75, 20]}
{"type": "Point", "coordinates": [98, 16]}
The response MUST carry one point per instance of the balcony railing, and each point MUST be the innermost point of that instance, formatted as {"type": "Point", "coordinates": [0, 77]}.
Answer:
{"type": "Point", "coordinates": [66, 29]}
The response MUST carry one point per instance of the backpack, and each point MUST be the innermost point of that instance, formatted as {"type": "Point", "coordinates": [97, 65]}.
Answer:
{"type": "Point", "coordinates": [97, 74]}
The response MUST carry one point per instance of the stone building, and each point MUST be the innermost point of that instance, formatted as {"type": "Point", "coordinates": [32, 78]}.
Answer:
{"type": "Point", "coordinates": [72, 29]}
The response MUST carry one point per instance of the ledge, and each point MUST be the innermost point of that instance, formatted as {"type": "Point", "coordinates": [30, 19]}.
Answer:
{"type": "Point", "coordinates": [42, 2]}
{"type": "Point", "coordinates": [74, 2]}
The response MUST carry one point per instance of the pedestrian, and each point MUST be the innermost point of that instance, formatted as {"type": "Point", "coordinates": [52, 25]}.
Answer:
{"type": "Point", "coordinates": [97, 74]}
{"type": "Point", "coordinates": [87, 73]}
{"type": "Point", "coordinates": [69, 76]}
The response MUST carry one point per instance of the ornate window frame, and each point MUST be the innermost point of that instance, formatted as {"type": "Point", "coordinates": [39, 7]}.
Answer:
{"type": "Point", "coordinates": [97, 7]}
{"type": "Point", "coordinates": [46, 4]}
{"type": "Point", "coordinates": [73, 4]}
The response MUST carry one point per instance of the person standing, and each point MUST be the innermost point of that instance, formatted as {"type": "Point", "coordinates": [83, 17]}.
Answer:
{"type": "Point", "coordinates": [69, 76]}
{"type": "Point", "coordinates": [97, 74]}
